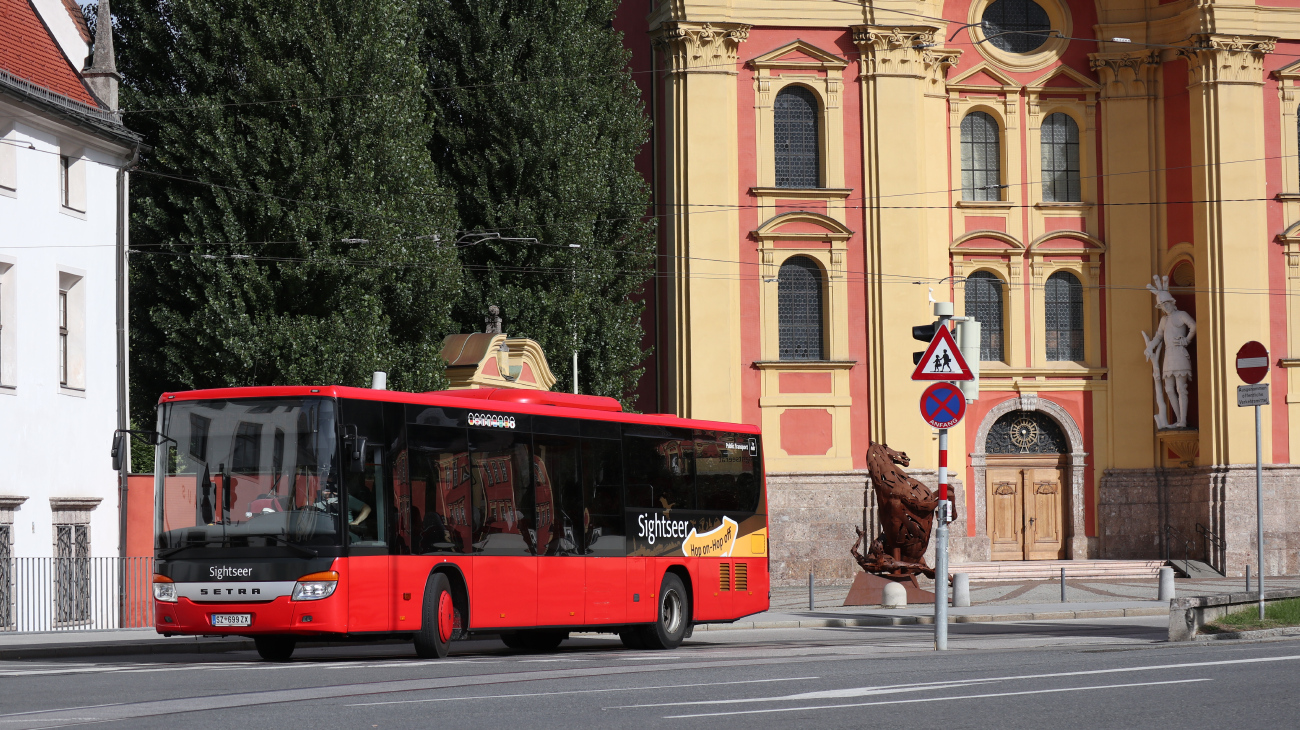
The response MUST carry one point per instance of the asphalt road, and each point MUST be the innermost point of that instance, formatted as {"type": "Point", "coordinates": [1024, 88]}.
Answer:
{"type": "Point", "coordinates": [1088, 674]}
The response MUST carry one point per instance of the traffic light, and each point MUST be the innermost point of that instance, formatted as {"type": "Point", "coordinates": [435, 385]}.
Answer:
{"type": "Point", "coordinates": [926, 332]}
{"type": "Point", "coordinates": [968, 341]}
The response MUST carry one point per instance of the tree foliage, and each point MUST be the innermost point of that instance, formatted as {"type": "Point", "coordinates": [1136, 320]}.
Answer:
{"type": "Point", "coordinates": [537, 125]}
{"type": "Point", "coordinates": [279, 241]}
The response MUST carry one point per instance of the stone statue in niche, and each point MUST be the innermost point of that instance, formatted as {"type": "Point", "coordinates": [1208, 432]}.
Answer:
{"type": "Point", "coordinates": [1176, 331]}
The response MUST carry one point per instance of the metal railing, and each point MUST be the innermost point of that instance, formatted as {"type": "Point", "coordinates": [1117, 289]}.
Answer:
{"type": "Point", "coordinates": [1212, 539]}
{"type": "Point", "coordinates": [75, 594]}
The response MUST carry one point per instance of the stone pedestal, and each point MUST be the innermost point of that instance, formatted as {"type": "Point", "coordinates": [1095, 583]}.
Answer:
{"type": "Point", "coordinates": [868, 590]}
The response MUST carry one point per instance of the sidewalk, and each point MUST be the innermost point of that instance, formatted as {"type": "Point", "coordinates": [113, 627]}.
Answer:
{"type": "Point", "coordinates": [991, 603]}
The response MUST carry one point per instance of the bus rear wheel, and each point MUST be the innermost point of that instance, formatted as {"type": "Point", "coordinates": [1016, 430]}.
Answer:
{"type": "Point", "coordinates": [535, 641]}
{"type": "Point", "coordinates": [669, 629]}
{"type": "Point", "coordinates": [275, 648]}
{"type": "Point", "coordinates": [437, 619]}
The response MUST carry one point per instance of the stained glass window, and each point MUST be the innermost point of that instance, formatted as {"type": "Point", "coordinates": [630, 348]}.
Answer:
{"type": "Point", "coordinates": [981, 158]}
{"type": "Point", "coordinates": [984, 303]}
{"type": "Point", "coordinates": [1060, 146]}
{"type": "Point", "coordinates": [1016, 26]}
{"type": "Point", "coordinates": [797, 155]}
{"type": "Point", "coordinates": [799, 309]}
{"type": "Point", "coordinates": [1064, 318]}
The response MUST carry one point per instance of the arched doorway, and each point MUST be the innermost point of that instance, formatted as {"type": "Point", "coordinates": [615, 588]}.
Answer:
{"type": "Point", "coordinates": [1027, 485]}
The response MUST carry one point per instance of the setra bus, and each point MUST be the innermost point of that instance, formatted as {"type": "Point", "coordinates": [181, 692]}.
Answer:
{"type": "Point", "coordinates": [289, 513]}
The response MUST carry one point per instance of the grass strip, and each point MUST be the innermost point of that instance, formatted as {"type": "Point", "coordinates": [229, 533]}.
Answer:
{"type": "Point", "coordinates": [1278, 614]}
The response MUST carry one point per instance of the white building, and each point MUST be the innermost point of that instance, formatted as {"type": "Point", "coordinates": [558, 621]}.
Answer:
{"type": "Point", "coordinates": [63, 150]}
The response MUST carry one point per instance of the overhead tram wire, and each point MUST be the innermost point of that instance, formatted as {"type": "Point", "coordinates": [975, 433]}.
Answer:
{"type": "Point", "coordinates": [899, 279]}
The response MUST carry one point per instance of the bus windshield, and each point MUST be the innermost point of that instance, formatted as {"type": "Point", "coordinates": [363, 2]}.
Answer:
{"type": "Point", "coordinates": [247, 473]}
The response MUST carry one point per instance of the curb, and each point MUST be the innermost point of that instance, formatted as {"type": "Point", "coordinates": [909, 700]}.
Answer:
{"type": "Point", "coordinates": [222, 645]}
{"type": "Point", "coordinates": [1249, 635]}
{"type": "Point", "coordinates": [908, 620]}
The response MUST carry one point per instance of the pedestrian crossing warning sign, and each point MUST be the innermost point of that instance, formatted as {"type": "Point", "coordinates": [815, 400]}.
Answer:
{"type": "Point", "coordinates": [942, 360]}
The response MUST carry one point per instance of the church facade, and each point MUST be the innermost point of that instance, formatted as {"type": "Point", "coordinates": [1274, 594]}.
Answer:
{"type": "Point", "coordinates": [824, 169]}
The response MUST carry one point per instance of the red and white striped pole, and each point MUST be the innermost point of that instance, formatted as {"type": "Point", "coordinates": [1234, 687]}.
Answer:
{"type": "Point", "coordinates": [941, 550]}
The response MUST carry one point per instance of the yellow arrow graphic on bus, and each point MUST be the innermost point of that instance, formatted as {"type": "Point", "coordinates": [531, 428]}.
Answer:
{"type": "Point", "coordinates": [715, 543]}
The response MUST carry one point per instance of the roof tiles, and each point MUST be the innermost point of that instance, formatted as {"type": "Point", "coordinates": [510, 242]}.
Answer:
{"type": "Point", "coordinates": [28, 51]}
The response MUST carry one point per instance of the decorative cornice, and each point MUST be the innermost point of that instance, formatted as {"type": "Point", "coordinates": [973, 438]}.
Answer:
{"type": "Point", "coordinates": [11, 501]}
{"type": "Point", "coordinates": [902, 51]}
{"type": "Point", "coordinates": [74, 504]}
{"type": "Point", "coordinates": [701, 47]}
{"type": "Point", "coordinates": [1126, 75]}
{"type": "Point", "coordinates": [1218, 59]}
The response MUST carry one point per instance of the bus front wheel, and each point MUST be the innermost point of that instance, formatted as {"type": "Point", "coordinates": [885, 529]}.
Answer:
{"type": "Point", "coordinates": [437, 619]}
{"type": "Point", "coordinates": [275, 648]}
{"type": "Point", "coordinates": [669, 629]}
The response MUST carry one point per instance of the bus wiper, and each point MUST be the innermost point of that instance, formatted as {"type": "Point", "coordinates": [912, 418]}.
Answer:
{"type": "Point", "coordinates": [303, 551]}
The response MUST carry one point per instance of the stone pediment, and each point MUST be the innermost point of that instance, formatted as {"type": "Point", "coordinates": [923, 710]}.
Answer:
{"type": "Point", "coordinates": [799, 55]}
{"type": "Point", "coordinates": [802, 224]}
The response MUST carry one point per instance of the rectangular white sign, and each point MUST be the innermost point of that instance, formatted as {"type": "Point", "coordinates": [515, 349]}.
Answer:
{"type": "Point", "coordinates": [1252, 395]}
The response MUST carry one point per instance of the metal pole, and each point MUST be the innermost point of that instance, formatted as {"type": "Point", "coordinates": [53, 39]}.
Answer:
{"type": "Point", "coordinates": [1259, 510]}
{"type": "Point", "coordinates": [575, 372]}
{"type": "Point", "coordinates": [1062, 584]}
{"type": "Point", "coordinates": [810, 590]}
{"type": "Point", "coordinates": [941, 550]}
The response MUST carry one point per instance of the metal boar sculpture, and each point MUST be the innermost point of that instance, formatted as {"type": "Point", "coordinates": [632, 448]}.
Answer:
{"type": "Point", "coordinates": [906, 509]}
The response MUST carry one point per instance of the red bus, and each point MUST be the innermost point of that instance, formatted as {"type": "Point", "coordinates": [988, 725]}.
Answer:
{"type": "Point", "coordinates": [286, 513]}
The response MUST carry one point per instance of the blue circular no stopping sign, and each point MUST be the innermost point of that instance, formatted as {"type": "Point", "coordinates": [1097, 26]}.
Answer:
{"type": "Point", "coordinates": [943, 405]}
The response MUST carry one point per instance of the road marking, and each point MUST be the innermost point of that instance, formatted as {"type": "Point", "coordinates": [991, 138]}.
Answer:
{"type": "Point", "coordinates": [866, 691]}
{"type": "Point", "coordinates": [581, 691]}
{"type": "Point", "coordinates": [935, 699]}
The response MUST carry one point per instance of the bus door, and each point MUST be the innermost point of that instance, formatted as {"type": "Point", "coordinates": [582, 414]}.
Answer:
{"type": "Point", "coordinates": [504, 529]}
{"type": "Point", "coordinates": [366, 509]}
{"type": "Point", "coordinates": [561, 571]}
{"type": "Point", "coordinates": [603, 541]}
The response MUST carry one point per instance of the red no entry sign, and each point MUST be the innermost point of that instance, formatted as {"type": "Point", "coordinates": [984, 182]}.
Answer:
{"type": "Point", "coordinates": [1252, 362]}
{"type": "Point", "coordinates": [943, 405]}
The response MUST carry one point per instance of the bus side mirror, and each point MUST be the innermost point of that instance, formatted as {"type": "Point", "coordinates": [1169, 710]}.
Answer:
{"type": "Point", "coordinates": [358, 454]}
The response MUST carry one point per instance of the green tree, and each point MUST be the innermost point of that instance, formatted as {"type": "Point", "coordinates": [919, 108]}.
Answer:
{"type": "Point", "coordinates": [537, 125]}
{"type": "Point", "coordinates": [282, 242]}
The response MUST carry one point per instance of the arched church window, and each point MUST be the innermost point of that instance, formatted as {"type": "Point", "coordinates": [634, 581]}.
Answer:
{"type": "Point", "coordinates": [799, 309]}
{"type": "Point", "coordinates": [1060, 147]}
{"type": "Point", "coordinates": [984, 303]}
{"type": "Point", "coordinates": [981, 158]}
{"type": "Point", "coordinates": [1015, 26]}
{"type": "Point", "coordinates": [798, 163]}
{"type": "Point", "coordinates": [1064, 318]}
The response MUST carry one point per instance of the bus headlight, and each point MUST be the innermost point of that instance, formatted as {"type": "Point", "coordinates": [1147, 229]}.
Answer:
{"type": "Point", "coordinates": [315, 586]}
{"type": "Point", "coordinates": [164, 589]}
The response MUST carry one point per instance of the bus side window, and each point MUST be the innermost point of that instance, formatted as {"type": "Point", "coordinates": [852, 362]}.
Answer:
{"type": "Point", "coordinates": [660, 470]}
{"type": "Point", "coordinates": [365, 504]}
{"type": "Point", "coordinates": [558, 487]}
{"type": "Point", "coordinates": [440, 490]}
{"type": "Point", "coordinates": [501, 470]}
{"type": "Point", "coordinates": [725, 472]}
{"type": "Point", "coordinates": [602, 493]}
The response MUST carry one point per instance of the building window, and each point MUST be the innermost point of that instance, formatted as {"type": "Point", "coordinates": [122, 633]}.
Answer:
{"type": "Point", "coordinates": [7, 329]}
{"type": "Point", "coordinates": [63, 338]}
{"type": "Point", "coordinates": [72, 573]}
{"type": "Point", "coordinates": [1060, 145]}
{"type": "Point", "coordinates": [1016, 26]}
{"type": "Point", "coordinates": [981, 158]}
{"type": "Point", "coordinates": [1064, 317]}
{"type": "Point", "coordinates": [984, 303]}
{"type": "Point", "coordinates": [6, 575]}
{"type": "Point", "coordinates": [799, 309]}
{"type": "Point", "coordinates": [797, 149]}
{"type": "Point", "coordinates": [72, 331]}
{"type": "Point", "coordinates": [65, 181]}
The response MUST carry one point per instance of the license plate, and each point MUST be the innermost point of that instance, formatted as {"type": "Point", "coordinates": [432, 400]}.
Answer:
{"type": "Point", "coordinates": [232, 619]}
